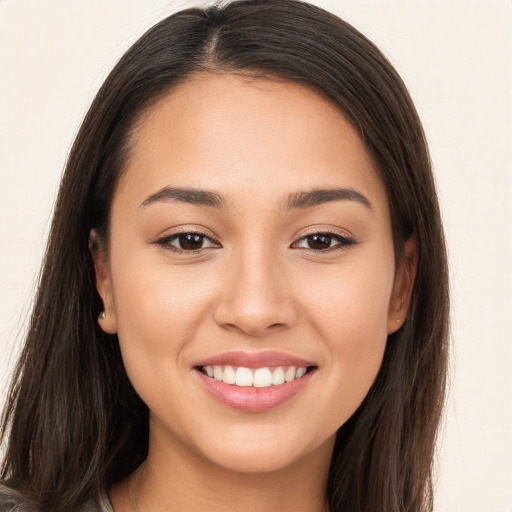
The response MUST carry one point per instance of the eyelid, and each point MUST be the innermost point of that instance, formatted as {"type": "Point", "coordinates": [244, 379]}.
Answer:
{"type": "Point", "coordinates": [345, 240]}
{"type": "Point", "coordinates": [165, 240]}
{"type": "Point", "coordinates": [327, 230]}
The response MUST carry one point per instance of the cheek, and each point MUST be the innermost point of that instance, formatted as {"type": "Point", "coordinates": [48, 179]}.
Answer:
{"type": "Point", "coordinates": [349, 312]}
{"type": "Point", "coordinates": [159, 310]}
{"type": "Point", "coordinates": [164, 305]}
{"type": "Point", "coordinates": [349, 306]}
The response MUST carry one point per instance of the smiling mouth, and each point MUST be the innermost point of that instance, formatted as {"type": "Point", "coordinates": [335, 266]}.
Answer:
{"type": "Point", "coordinates": [263, 377]}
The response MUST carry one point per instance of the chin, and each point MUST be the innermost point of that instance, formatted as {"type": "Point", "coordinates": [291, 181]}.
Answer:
{"type": "Point", "coordinates": [265, 453]}
{"type": "Point", "coordinates": [254, 461]}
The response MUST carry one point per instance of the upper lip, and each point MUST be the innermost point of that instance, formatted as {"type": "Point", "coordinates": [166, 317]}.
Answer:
{"type": "Point", "coordinates": [254, 359]}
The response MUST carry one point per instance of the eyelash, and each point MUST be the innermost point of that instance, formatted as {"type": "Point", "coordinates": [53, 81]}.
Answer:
{"type": "Point", "coordinates": [344, 242]}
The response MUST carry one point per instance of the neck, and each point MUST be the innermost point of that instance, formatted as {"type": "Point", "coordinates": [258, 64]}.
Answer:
{"type": "Point", "coordinates": [174, 479]}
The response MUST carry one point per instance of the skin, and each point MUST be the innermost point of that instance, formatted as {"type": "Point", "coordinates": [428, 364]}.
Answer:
{"type": "Point", "coordinates": [257, 285]}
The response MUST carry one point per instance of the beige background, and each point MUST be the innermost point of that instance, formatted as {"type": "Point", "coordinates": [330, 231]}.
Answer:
{"type": "Point", "coordinates": [455, 56]}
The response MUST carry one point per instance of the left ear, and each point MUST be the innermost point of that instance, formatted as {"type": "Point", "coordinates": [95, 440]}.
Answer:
{"type": "Point", "coordinates": [402, 288]}
{"type": "Point", "coordinates": [107, 319]}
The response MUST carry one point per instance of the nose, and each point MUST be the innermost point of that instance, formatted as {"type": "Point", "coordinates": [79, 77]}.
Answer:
{"type": "Point", "coordinates": [255, 298]}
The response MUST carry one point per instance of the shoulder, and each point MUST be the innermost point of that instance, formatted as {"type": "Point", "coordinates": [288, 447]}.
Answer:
{"type": "Point", "coordinates": [102, 504]}
{"type": "Point", "coordinates": [9, 499]}
{"type": "Point", "coordinates": [12, 501]}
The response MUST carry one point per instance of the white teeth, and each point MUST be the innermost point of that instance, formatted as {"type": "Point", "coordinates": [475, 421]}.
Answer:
{"type": "Point", "coordinates": [258, 378]}
{"type": "Point", "coordinates": [278, 376]}
{"type": "Point", "coordinates": [243, 377]}
{"type": "Point", "coordinates": [262, 378]}
{"type": "Point", "coordinates": [300, 373]}
{"type": "Point", "coordinates": [229, 376]}
{"type": "Point", "coordinates": [217, 373]}
{"type": "Point", "coordinates": [289, 376]}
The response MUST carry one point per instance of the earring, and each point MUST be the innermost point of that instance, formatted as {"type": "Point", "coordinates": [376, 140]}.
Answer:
{"type": "Point", "coordinates": [398, 320]}
{"type": "Point", "coordinates": [102, 315]}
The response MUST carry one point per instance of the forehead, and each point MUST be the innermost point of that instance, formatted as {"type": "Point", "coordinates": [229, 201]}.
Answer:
{"type": "Point", "coordinates": [248, 139]}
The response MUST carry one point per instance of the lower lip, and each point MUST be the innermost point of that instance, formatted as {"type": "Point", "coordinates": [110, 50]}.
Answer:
{"type": "Point", "coordinates": [251, 399]}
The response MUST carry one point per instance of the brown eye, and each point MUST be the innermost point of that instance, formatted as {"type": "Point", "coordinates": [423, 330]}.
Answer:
{"type": "Point", "coordinates": [187, 242]}
{"type": "Point", "coordinates": [319, 242]}
{"type": "Point", "coordinates": [324, 242]}
{"type": "Point", "coordinates": [190, 241]}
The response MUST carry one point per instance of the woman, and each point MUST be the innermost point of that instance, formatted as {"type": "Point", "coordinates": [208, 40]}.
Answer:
{"type": "Point", "coordinates": [244, 297]}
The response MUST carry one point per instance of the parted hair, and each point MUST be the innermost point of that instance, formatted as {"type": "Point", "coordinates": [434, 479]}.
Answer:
{"type": "Point", "coordinates": [73, 424]}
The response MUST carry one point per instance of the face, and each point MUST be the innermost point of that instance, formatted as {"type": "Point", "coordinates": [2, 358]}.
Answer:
{"type": "Point", "coordinates": [250, 240]}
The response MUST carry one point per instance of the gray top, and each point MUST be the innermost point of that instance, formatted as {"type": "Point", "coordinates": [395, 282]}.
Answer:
{"type": "Point", "coordinates": [104, 503]}
{"type": "Point", "coordinates": [10, 501]}
{"type": "Point", "coordinates": [101, 504]}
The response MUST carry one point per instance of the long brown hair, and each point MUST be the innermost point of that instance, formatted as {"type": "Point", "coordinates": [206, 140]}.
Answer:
{"type": "Point", "coordinates": [73, 423]}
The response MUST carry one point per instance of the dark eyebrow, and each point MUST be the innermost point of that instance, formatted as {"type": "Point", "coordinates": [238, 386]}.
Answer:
{"type": "Point", "coordinates": [320, 196]}
{"type": "Point", "coordinates": [295, 200]}
{"type": "Point", "coordinates": [186, 195]}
